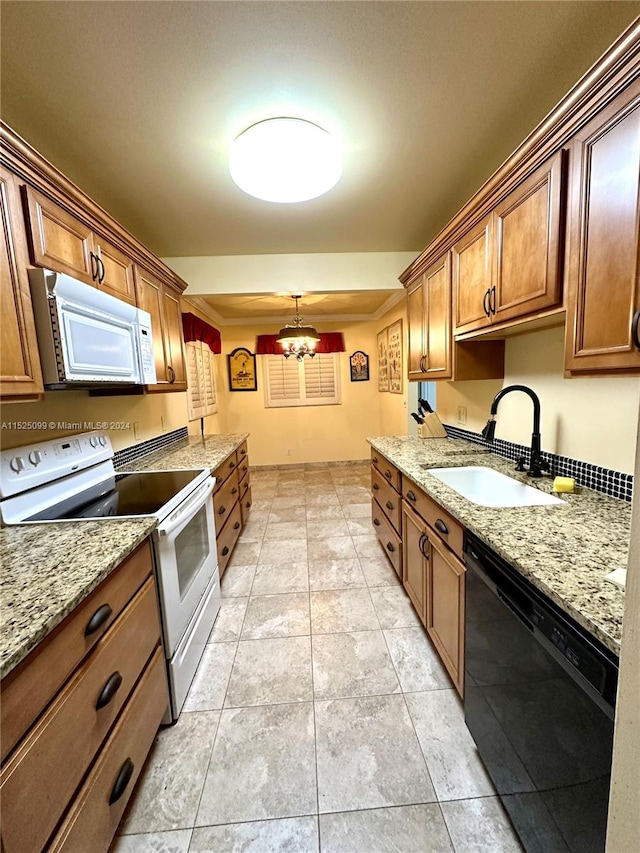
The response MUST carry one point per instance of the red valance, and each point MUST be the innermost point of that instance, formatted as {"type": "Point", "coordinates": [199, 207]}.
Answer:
{"type": "Point", "coordinates": [195, 329]}
{"type": "Point", "coordinates": [329, 342]}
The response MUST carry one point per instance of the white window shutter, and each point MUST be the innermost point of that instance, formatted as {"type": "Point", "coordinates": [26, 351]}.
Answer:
{"type": "Point", "coordinates": [201, 385]}
{"type": "Point", "coordinates": [320, 377]}
{"type": "Point", "coordinates": [283, 380]}
{"type": "Point", "coordinates": [310, 382]}
{"type": "Point", "coordinates": [209, 381]}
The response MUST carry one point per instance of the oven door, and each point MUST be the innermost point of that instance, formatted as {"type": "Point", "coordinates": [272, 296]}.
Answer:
{"type": "Point", "coordinates": [186, 558]}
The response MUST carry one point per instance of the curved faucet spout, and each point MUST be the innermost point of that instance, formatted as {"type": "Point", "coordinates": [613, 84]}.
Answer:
{"type": "Point", "coordinates": [536, 463]}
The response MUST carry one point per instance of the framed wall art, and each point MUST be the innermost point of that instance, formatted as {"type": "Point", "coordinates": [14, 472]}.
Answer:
{"type": "Point", "coordinates": [383, 364]}
{"type": "Point", "coordinates": [359, 366]}
{"type": "Point", "coordinates": [242, 370]}
{"type": "Point", "coordinates": [394, 357]}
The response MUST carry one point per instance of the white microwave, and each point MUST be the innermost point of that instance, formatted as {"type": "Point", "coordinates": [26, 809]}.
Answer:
{"type": "Point", "coordinates": [87, 337]}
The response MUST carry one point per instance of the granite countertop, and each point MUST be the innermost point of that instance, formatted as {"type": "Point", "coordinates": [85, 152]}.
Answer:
{"type": "Point", "coordinates": [194, 452]}
{"type": "Point", "coordinates": [48, 569]}
{"type": "Point", "coordinates": [563, 550]}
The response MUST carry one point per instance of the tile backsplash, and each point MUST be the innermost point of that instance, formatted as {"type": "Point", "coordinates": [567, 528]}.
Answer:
{"type": "Point", "coordinates": [144, 448]}
{"type": "Point", "coordinates": [609, 482]}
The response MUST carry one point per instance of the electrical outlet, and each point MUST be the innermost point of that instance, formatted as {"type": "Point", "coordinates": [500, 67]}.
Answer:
{"type": "Point", "coordinates": [136, 430]}
{"type": "Point", "coordinates": [289, 452]}
{"type": "Point", "coordinates": [462, 414]}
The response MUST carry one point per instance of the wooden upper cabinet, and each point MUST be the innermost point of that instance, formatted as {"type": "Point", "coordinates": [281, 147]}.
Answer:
{"type": "Point", "coordinates": [19, 358]}
{"type": "Point", "coordinates": [603, 280]}
{"type": "Point", "coordinates": [529, 246]}
{"type": "Point", "coordinates": [59, 241]}
{"type": "Point", "coordinates": [163, 304]}
{"type": "Point", "coordinates": [416, 324]}
{"type": "Point", "coordinates": [472, 277]}
{"type": "Point", "coordinates": [115, 271]}
{"type": "Point", "coordinates": [437, 301]}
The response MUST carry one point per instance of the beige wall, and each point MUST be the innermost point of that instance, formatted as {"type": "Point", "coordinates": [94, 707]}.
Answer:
{"type": "Point", "coordinates": [393, 407]}
{"type": "Point", "coordinates": [153, 414]}
{"type": "Point", "coordinates": [591, 418]}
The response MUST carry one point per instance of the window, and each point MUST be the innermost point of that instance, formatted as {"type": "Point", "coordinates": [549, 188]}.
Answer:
{"type": "Point", "coordinates": [310, 382]}
{"type": "Point", "coordinates": [201, 381]}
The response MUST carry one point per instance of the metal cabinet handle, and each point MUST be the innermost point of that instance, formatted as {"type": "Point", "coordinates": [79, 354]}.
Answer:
{"type": "Point", "coordinates": [222, 510]}
{"type": "Point", "coordinates": [122, 780]}
{"type": "Point", "coordinates": [388, 475]}
{"type": "Point", "coordinates": [391, 547]}
{"type": "Point", "coordinates": [634, 329]}
{"type": "Point", "coordinates": [485, 302]}
{"type": "Point", "coordinates": [248, 504]}
{"type": "Point", "coordinates": [234, 490]}
{"type": "Point", "coordinates": [424, 539]}
{"type": "Point", "coordinates": [109, 690]}
{"type": "Point", "coordinates": [389, 505]}
{"type": "Point", "coordinates": [101, 273]}
{"type": "Point", "coordinates": [94, 266]}
{"type": "Point", "coordinates": [225, 551]}
{"type": "Point", "coordinates": [236, 525]}
{"type": "Point", "coordinates": [411, 496]}
{"type": "Point", "coordinates": [375, 487]}
{"type": "Point", "coordinates": [441, 526]}
{"type": "Point", "coordinates": [376, 521]}
{"type": "Point", "coordinates": [243, 451]}
{"type": "Point", "coordinates": [98, 619]}
{"type": "Point", "coordinates": [232, 465]}
{"type": "Point", "coordinates": [492, 299]}
{"type": "Point", "coordinates": [172, 374]}
{"type": "Point", "coordinates": [375, 459]}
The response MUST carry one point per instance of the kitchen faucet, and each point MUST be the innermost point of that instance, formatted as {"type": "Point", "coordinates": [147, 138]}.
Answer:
{"type": "Point", "coordinates": [536, 463]}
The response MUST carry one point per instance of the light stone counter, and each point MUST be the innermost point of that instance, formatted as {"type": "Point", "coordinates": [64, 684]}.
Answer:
{"type": "Point", "coordinates": [563, 550]}
{"type": "Point", "coordinates": [48, 569]}
{"type": "Point", "coordinates": [194, 452]}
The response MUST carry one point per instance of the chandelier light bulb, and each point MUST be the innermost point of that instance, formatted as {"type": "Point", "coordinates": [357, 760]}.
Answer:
{"type": "Point", "coordinates": [285, 160]}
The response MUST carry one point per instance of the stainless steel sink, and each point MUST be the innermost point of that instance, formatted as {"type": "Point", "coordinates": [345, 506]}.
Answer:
{"type": "Point", "coordinates": [487, 487]}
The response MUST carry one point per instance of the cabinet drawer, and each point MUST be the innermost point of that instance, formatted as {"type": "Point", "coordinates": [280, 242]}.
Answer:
{"type": "Point", "coordinates": [225, 470]}
{"type": "Point", "coordinates": [32, 685]}
{"type": "Point", "coordinates": [228, 537]}
{"type": "Point", "coordinates": [244, 485]}
{"type": "Point", "coordinates": [389, 539]}
{"type": "Point", "coordinates": [387, 497]}
{"type": "Point", "coordinates": [224, 501]}
{"type": "Point", "coordinates": [388, 471]}
{"type": "Point", "coordinates": [447, 528]}
{"type": "Point", "coordinates": [43, 773]}
{"type": "Point", "coordinates": [93, 818]}
{"type": "Point", "coordinates": [245, 504]}
{"type": "Point", "coordinates": [243, 465]}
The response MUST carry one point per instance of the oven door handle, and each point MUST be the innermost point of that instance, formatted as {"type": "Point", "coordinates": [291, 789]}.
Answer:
{"type": "Point", "coordinates": [188, 508]}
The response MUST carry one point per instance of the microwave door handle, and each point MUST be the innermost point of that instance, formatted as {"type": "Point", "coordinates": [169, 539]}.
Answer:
{"type": "Point", "coordinates": [187, 509]}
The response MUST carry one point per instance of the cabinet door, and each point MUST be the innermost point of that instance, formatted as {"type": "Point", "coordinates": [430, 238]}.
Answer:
{"type": "Point", "coordinates": [116, 277]}
{"type": "Point", "coordinates": [149, 298]}
{"type": "Point", "coordinates": [529, 244]}
{"type": "Point", "coordinates": [416, 324]}
{"type": "Point", "coordinates": [437, 302]}
{"type": "Point", "coordinates": [415, 551]}
{"type": "Point", "coordinates": [19, 358]}
{"type": "Point", "coordinates": [472, 277]}
{"type": "Point", "coordinates": [445, 608]}
{"type": "Point", "coordinates": [59, 241]}
{"type": "Point", "coordinates": [174, 347]}
{"type": "Point", "coordinates": [603, 278]}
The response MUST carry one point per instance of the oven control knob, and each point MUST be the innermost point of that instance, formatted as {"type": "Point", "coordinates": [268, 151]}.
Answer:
{"type": "Point", "coordinates": [17, 464]}
{"type": "Point", "coordinates": [35, 457]}
{"type": "Point", "coordinates": [93, 441]}
{"type": "Point", "coordinates": [103, 440]}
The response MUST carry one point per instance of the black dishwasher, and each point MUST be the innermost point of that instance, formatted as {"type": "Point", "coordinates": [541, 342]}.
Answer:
{"type": "Point", "coordinates": [539, 702]}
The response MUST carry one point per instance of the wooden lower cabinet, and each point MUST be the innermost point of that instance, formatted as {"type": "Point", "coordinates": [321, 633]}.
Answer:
{"type": "Point", "coordinates": [231, 502]}
{"type": "Point", "coordinates": [445, 608]}
{"type": "Point", "coordinates": [113, 691]}
{"type": "Point", "coordinates": [414, 561]}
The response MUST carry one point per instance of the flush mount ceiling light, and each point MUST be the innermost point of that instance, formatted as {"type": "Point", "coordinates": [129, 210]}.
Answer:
{"type": "Point", "coordinates": [285, 160]}
{"type": "Point", "coordinates": [297, 339]}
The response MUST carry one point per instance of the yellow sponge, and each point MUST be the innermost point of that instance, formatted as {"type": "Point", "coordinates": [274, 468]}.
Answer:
{"type": "Point", "coordinates": [564, 484]}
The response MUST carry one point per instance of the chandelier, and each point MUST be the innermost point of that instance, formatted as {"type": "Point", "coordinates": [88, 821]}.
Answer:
{"type": "Point", "coordinates": [297, 339]}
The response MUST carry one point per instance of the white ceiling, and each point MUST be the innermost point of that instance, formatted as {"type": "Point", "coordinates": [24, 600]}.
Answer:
{"type": "Point", "coordinates": [138, 101]}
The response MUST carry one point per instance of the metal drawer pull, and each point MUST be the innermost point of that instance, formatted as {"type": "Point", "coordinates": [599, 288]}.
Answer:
{"type": "Point", "coordinates": [376, 521]}
{"type": "Point", "coordinates": [375, 459]}
{"type": "Point", "coordinates": [390, 547]}
{"type": "Point", "coordinates": [225, 551]}
{"type": "Point", "coordinates": [98, 619]}
{"type": "Point", "coordinates": [233, 490]}
{"type": "Point", "coordinates": [109, 690]}
{"type": "Point", "coordinates": [222, 510]}
{"type": "Point", "coordinates": [375, 487]}
{"type": "Point", "coordinates": [122, 780]}
{"type": "Point", "coordinates": [634, 329]}
{"type": "Point", "coordinates": [243, 451]}
{"type": "Point", "coordinates": [236, 525]}
{"type": "Point", "coordinates": [389, 505]}
{"type": "Point", "coordinates": [248, 504]}
{"type": "Point", "coordinates": [388, 474]}
{"type": "Point", "coordinates": [441, 526]}
{"type": "Point", "coordinates": [232, 464]}
{"type": "Point", "coordinates": [411, 496]}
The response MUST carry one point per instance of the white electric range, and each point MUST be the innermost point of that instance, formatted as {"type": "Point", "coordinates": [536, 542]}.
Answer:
{"type": "Point", "coordinates": [74, 479]}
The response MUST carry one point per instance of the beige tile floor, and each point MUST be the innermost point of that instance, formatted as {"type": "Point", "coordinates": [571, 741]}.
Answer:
{"type": "Point", "coordinates": [320, 718]}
